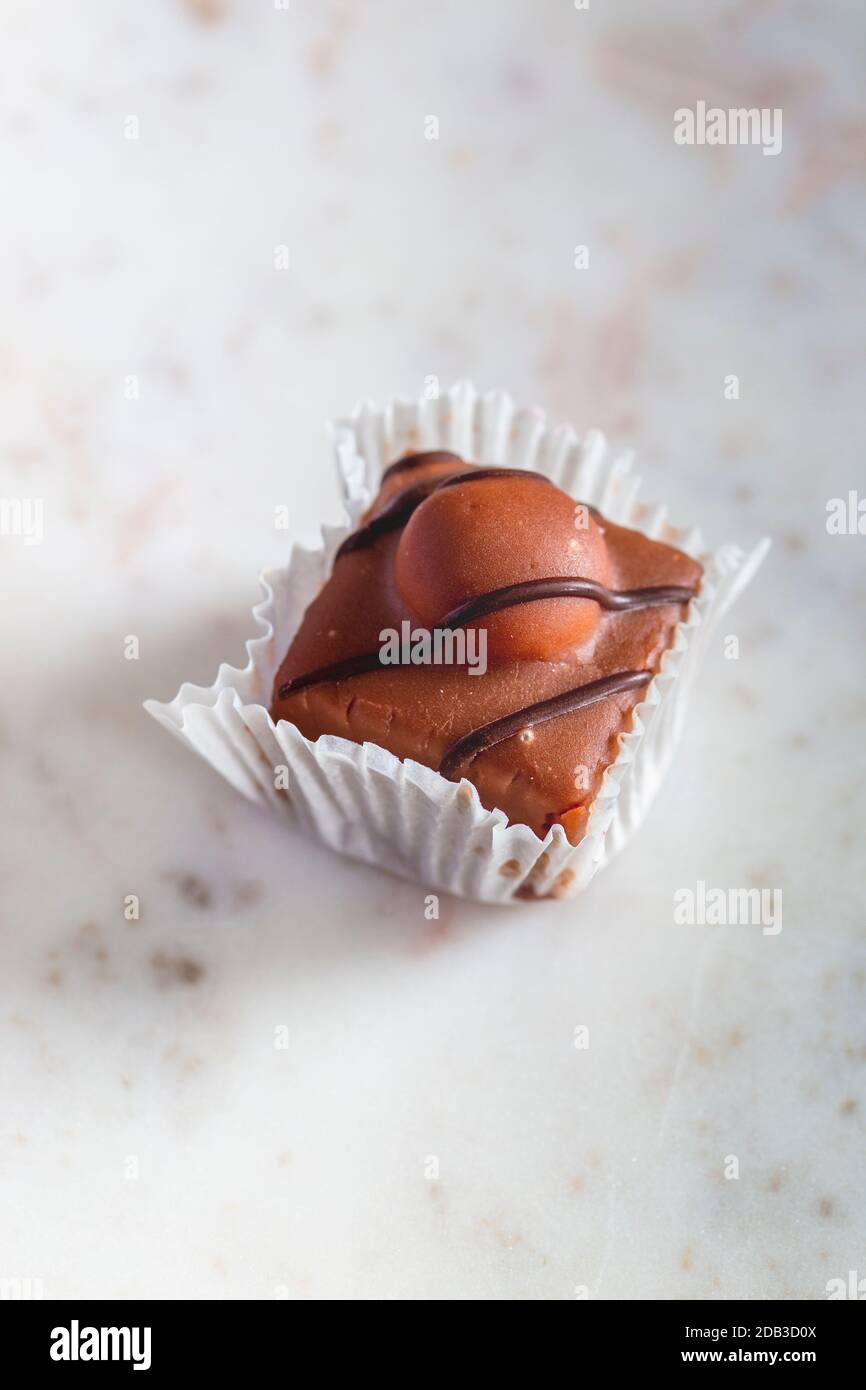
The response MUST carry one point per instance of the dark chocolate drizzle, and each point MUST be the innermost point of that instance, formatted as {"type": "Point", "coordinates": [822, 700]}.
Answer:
{"type": "Point", "coordinates": [336, 671]}
{"type": "Point", "coordinates": [409, 499]}
{"type": "Point", "coordinates": [478, 475]}
{"type": "Point", "coordinates": [420, 460]}
{"type": "Point", "coordinates": [488, 735]}
{"type": "Point", "coordinates": [395, 515]}
{"type": "Point", "coordinates": [618, 600]}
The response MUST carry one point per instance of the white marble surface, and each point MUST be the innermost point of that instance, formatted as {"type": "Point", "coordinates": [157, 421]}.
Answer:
{"type": "Point", "coordinates": [153, 1141]}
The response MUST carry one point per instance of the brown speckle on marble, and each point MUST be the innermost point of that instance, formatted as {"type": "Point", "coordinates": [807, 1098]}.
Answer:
{"type": "Point", "coordinates": [687, 1258]}
{"type": "Point", "coordinates": [326, 50]}
{"type": "Point", "coordinates": [461, 157]}
{"type": "Point", "coordinates": [437, 1194]}
{"type": "Point", "coordinates": [763, 876]}
{"type": "Point", "coordinates": [140, 521]}
{"type": "Point", "coordinates": [848, 1106]}
{"type": "Point", "coordinates": [826, 1208]}
{"type": "Point", "coordinates": [88, 943]}
{"type": "Point", "coordinates": [175, 970]}
{"type": "Point", "coordinates": [507, 1239]}
{"type": "Point", "coordinates": [192, 889]}
{"type": "Point", "coordinates": [246, 893]}
{"type": "Point", "coordinates": [522, 82]}
{"type": "Point", "coordinates": [784, 284]}
{"type": "Point", "coordinates": [794, 541]}
{"type": "Point", "coordinates": [205, 11]}
{"type": "Point", "coordinates": [187, 1063]}
{"type": "Point", "coordinates": [745, 696]}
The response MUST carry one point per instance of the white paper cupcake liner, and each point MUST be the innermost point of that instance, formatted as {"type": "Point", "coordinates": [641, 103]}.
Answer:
{"type": "Point", "coordinates": [362, 800]}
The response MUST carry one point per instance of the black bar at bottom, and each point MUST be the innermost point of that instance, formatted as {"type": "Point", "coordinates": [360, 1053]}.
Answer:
{"type": "Point", "coordinates": [217, 1339]}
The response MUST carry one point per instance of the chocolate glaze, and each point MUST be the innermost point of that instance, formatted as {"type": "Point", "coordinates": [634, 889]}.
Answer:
{"type": "Point", "coordinates": [336, 671]}
{"type": "Point", "coordinates": [513, 594]}
{"type": "Point", "coordinates": [395, 515]}
{"type": "Point", "coordinates": [619, 600]}
{"type": "Point", "coordinates": [420, 460]}
{"type": "Point", "coordinates": [475, 742]}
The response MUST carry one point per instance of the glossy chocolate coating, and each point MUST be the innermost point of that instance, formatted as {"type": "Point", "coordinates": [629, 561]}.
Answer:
{"type": "Point", "coordinates": [538, 768]}
{"type": "Point", "coordinates": [470, 536]}
{"type": "Point", "coordinates": [524, 720]}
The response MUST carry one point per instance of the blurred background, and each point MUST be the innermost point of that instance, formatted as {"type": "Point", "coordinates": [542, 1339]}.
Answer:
{"type": "Point", "coordinates": [223, 224]}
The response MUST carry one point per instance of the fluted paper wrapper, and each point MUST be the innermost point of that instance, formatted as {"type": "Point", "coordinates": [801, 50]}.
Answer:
{"type": "Point", "coordinates": [363, 801]}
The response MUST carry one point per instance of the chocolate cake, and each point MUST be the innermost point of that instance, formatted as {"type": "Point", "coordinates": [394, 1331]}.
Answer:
{"type": "Point", "coordinates": [572, 613]}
